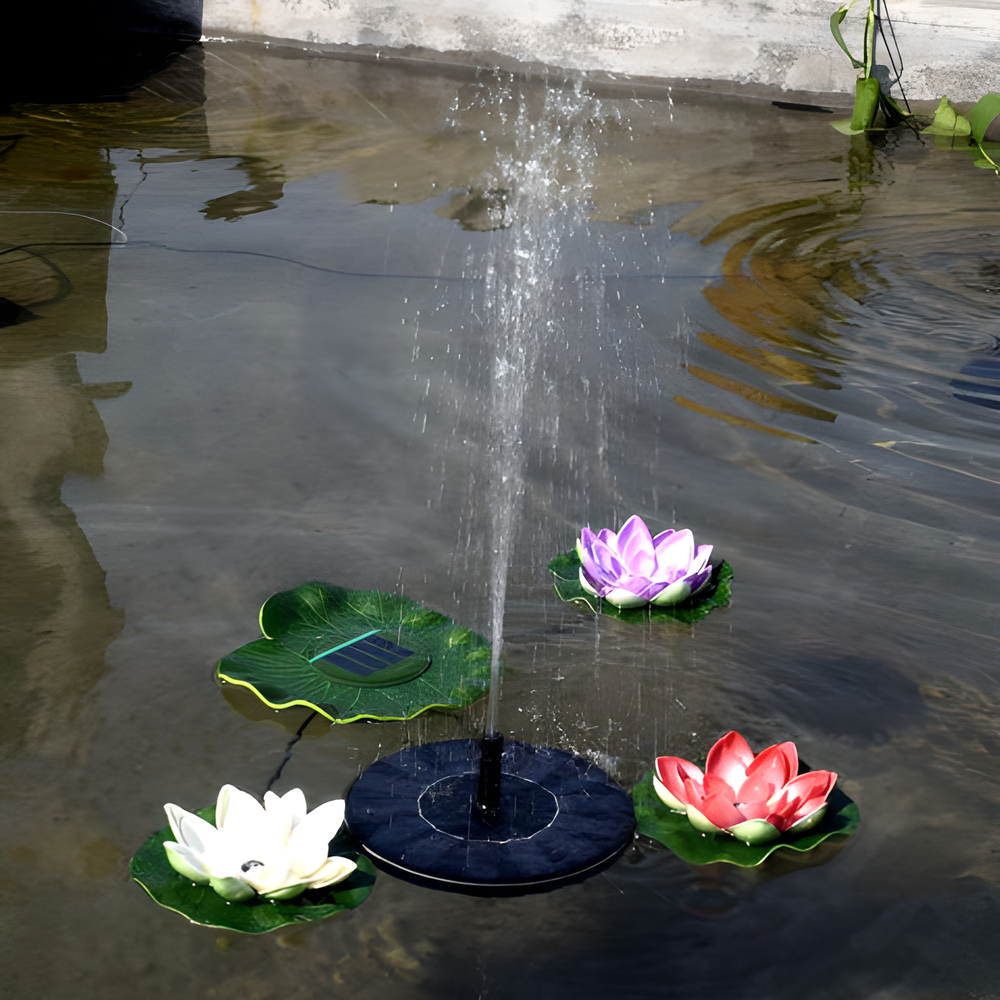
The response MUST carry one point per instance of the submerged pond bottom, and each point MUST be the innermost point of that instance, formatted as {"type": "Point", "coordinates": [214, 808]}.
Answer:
{"type": "Point", "coordinates": [560, 818]}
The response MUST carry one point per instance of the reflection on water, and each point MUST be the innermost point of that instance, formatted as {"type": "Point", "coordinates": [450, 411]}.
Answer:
{"type": "Point", "coordinates": [57, 620]}
{"type": "Point", "coordinates": [297, 386]}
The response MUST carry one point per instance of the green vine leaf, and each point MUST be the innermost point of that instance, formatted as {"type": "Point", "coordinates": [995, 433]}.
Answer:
{"type": "Point", "coordinates": [201, 904]}
{"type": "Point", "coordinates": [836, 19]}
{"type": "Point", "coordinates": [565, 569]}
{"type": "Point", "coordinates": [654, 819]}
{"type": "Point", "coordinates": [947, 121]}
{"type": "Point", "coordinates": [449, 667]}
{"type": "Point", "coordinates": [866, 102]}
{"type": "Point", "coordinates": [982, 115]}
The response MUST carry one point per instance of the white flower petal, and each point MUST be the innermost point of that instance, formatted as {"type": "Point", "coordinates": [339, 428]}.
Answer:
{"type": "Point", "coordinates": [622, 598]}
{"type": "Point", "coordinates": [308, 853]}
{"type": "Point", "coordinates": [191, 830]}
{"type": "Point", "coordinates": [174, 814]}
{"type": "Point", "coordinates": [289, 892]}
{"type": "Point", "coordinates": [755, 831]}
{"type": "Point", "coordinates": [808, 822]}
{"type": "Point", "coordinates": [237, 809]}
{"type": "Point", "coordinates": [309, 843]}
{"type": "Point", "coordinates": [674, 594]}
{"type": "Point", "coordinates": [667, 797]}
{"type": "Point", "coordinates": [295, 802]}
{"type": "Point", "coordinates": [327, 818]}
{"type": "Point", "coordinates": [185, 862]}
{"type": "Point", "coordinates": [280, 815]}
{"type": "Point", "coordinates": [334, 870]}
{"type": "Point", "coordinates": [699, 821]}
{"type": "Point", "coordinates": [233, 889]}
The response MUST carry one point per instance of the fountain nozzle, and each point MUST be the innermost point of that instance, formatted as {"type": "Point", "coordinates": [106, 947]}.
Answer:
{"type": "Point", "coordinates": [488, 793]}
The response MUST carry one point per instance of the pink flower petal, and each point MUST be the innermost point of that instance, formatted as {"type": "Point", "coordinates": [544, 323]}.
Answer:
{"type": "Point", "coordinates": [729, 759]}
{"type": "Point", "coordinates": [755, 809]}
{"type": "Point", "coordinates": [694, 792]}
{"type": "Point", "coordinates": [714, 785]}
{"type": "Point", "coordinates": [719, 809]}
{"type": "Point", "coordinates": [812, 784]}
{"type": "Point", "coordinates": [672, 771]}
{"type": "Point", "coordinates": [800, 797]}
{"type": "Point", "coordinates": [770, 771]}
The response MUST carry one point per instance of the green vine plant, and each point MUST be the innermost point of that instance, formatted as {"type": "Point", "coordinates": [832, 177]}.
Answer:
{"type": "Point", "coordinates": [875, 110]}
{"type": "Point", "coordinates": [959, 131]}
{"type": "Point", "coordinates": [869, 99]}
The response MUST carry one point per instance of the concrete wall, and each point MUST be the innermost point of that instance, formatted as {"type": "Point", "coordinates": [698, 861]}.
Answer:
{"type": "Point", "coordinates": [949, 46]}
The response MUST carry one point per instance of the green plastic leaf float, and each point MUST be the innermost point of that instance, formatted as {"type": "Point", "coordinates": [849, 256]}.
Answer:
{"type": "Point", "coordinates": [359, 654]}
{"type": "Point", "coordinates": [201, 904]}
{"type": "Point", "coordinates": [716, 593]}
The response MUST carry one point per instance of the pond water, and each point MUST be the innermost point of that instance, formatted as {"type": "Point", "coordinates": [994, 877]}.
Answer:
{"type": "Point", "coordinates": [745, 323]}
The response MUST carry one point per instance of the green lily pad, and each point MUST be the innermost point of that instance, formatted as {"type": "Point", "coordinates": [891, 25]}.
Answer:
{"type": "Point", "coordinates": [674, 830]}
{"type": "Point", "coordinates": [201, 904]}
{"type": "Point", "coordinates": [447, 666]}
{"type": "Point", "coordinates": [565, 569]}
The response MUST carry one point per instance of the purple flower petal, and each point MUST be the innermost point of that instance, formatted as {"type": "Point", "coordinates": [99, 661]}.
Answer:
{"type": "Point", "coordinates": [609, 538]}
{"type": "Point", "coordinates": [602, 566]}
{"type": "Point", "coordinates": [640, 586]}
{"type": "Point", "coordinates": [701, 556]}
{"type": "Point", "coordinates": [674, 552]}
{"type": "Point", "coordinates": [635, 547]}
{"type": "Point", "coordinates": [698, 580]}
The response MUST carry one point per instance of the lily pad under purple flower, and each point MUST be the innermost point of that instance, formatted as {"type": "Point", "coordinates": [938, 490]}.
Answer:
{"type": "Point", "coordinates": [565, 570]}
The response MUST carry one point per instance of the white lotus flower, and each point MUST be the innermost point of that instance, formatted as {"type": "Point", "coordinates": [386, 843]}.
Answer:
{"type": "Point", "coordinates": [274, 849]}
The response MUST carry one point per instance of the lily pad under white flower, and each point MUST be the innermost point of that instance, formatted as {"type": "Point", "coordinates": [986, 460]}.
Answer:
{"type": "Point", "coordinates": [276, 850]}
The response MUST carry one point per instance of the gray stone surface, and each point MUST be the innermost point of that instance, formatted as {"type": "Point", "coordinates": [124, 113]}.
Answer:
{"type": "Point", "coordinates": [949, 46]}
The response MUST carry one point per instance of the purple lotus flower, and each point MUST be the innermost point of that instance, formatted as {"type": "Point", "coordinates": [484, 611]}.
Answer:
{"type": "Point", "coordinates": [632, 568]}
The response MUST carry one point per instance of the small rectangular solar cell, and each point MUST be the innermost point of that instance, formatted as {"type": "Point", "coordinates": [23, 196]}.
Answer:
{"type": "Point", "coordinates": [366, 655]}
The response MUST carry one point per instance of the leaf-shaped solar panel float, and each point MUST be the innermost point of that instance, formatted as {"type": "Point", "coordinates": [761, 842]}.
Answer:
{"type": "Point", "coordinates": [359, 654]}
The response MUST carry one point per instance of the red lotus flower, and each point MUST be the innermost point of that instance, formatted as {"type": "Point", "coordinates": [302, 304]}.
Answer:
{"type": "Point", "coordinates": [756, 799]}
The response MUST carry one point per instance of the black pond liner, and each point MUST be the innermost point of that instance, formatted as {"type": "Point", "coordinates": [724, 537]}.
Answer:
{"type": "Point", "coordinates": [560, 819]}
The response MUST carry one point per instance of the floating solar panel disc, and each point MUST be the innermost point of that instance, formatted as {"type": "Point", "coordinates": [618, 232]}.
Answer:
{"type": "Point", "coordinates": [560, 818]}
{"type": "Point", "coordinates": [371, 660]}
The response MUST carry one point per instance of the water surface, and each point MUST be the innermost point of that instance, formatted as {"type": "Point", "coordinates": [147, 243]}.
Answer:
{"type": "Point", "coordinates": [748, 325]}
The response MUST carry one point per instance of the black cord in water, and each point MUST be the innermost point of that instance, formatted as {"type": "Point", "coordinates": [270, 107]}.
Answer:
{"type": "Point", "coordinates": [288, 750]}
{"type": "Point", "coordinates": [882, 11]}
